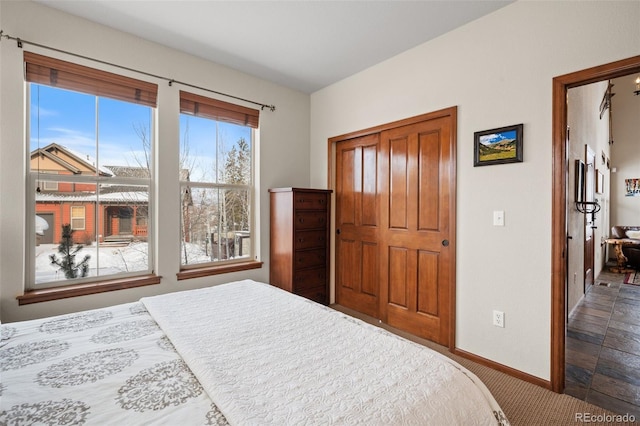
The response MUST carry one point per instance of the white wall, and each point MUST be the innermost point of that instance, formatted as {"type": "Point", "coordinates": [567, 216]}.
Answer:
{"type": "Point", "coordinates": [583, 118]}
{"type": "Point", "coordinates": [1, 234]}
{"type": "Point", "coordinates": [284, 148]}
{"type": "Point", "coordinates": [498, 70]}
{"type": "Point", "coordinates": [625, 152]}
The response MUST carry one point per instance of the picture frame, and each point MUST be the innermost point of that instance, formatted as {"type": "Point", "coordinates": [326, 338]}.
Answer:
{"type": "Point", "coordinates": [498, 146]}
{"type": "Point", "coordinates": [632, 187]}
{"type": "Point", "coordinates": [599, 181]}
{"type": "Point", "coordinates": [579, 187]}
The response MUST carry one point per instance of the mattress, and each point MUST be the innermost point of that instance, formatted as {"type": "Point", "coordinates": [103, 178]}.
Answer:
{"type": "Point", "coordinates": [242, 353]}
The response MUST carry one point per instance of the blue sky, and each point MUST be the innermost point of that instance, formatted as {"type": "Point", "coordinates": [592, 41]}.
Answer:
{"type": "Point", "coordinates": [68, 119]}
{"type": "Point", "coordinates": [497, 137]}
{"type": "Point", "coordinates": [201, 143]}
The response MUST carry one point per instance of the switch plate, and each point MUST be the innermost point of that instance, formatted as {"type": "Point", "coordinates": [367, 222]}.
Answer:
{"type": "Point", "coordinates": [498, 318]}
{"type": "Point", "coordinates": [498, 218]}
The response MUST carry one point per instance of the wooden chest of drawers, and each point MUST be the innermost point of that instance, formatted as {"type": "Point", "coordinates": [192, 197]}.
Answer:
{"type": "Point", "coordinates": [299, 257]}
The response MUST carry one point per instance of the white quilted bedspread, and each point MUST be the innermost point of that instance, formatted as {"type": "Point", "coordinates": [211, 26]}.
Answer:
{"type": "Point", "coordinates": [268, 357]}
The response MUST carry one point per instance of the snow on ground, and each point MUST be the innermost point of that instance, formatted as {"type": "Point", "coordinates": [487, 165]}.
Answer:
{"type": "Point", "coordinates": [105, 260]}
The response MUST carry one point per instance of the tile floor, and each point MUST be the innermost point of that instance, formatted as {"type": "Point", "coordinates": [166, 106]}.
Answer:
{"type": "Point", "coordinates": [603, 346]}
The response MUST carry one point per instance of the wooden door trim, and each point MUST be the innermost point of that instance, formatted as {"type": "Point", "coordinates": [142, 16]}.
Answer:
{"type": "Point", "coordinates": [561, 85]}
{"type": "Point", "coordinates": [451, 112]}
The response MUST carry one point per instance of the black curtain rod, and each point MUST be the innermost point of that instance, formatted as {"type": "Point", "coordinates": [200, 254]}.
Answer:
{"type": "Point", "coordinates": [20, 42]}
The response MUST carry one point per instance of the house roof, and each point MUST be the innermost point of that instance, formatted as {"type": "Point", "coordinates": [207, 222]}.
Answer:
{"type": "Point", "coordinates": [50, 151]}
{"type": "Point", "coordinates": [131, 197]}
{"type": "Point", "coordinates": [55, 159]}
{"type": "Point", "coordinates": [126, 171]}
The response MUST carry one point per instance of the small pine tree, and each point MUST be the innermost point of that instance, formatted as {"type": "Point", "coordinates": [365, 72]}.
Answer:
{"type": "Point", "coordinates": [67, 261]}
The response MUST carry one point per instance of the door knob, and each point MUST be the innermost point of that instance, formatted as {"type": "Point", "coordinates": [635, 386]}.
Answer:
{"type": "Point", "coordinates": [338, 231]}
{"type": "Point", "coordinates": [445, 243]}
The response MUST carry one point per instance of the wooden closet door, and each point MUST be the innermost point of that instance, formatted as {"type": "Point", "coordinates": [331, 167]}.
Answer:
{"type": "Point", "coordinates": [416, 245]}
{"type": "Point", "coordinates": [357, 207]}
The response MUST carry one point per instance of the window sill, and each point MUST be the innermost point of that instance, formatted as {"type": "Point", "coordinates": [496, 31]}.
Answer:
{"type": "Point", "coordinates": [49, 294]}
{"type": "Point", "coordinates": [186, 274]}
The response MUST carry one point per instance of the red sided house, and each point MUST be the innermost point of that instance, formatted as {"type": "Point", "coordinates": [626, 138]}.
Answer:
{"type": "Point", "coordinates": [110, 213]}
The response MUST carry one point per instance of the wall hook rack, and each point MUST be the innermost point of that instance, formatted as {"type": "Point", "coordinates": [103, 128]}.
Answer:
{"type": "Point", "coordinates": [588, 207]}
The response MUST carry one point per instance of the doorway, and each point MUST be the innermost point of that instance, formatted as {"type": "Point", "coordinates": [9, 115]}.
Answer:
{"type": "Point", "coordinates": [561, 85]}
{"type": "Point", "coordinates": [47, 234]}
{"type": "Point", "coordinates": [125, 226]}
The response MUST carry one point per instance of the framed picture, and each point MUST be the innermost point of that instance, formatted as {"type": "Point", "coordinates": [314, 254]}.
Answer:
{"type": "Point", "coordinates": [579, 193]}
{"type": "Point", "coordinates": [498, 146]}
{"type": "Point", "coordinates": [633, 187]}
{"type": "Point", "coordinates": [599, 182]}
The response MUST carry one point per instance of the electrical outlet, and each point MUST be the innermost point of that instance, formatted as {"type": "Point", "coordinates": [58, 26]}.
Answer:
{"type": "Point", "coordinates": [498, 318]}
{"type": "Point", "coordinates": [498, 218]}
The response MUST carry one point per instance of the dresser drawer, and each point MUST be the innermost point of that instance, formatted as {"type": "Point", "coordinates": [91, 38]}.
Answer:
{"type": "Point", "coordinates": [309, 201]}
{"type": "Point", "coordinates": [310, 220]}
{"type": "Point", "coordinates": [310, 239]}
{"type": "Point", "coordinates": [317, 294]}
{"type": "Point", "coordinates": [310, 278]}
{"type": "Point", "coordinates": [310, 258]}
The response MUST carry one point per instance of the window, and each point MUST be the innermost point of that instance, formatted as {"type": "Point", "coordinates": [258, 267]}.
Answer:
{"type": "Point", "coordinates": [47, 185]}
{"type": "Point", "coordinates": [77, 218]}
{"type": "Point", "coordinates": [94, 129]}
{"type": "Point", "coordinates": [50, 186]}
{"type": "Point", "coordinates": [216, 182]}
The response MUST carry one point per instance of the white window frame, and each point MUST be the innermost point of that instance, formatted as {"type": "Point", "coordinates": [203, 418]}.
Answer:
{"type": "Point", "coordinates": [50, 186]}
{"type": "Point", "coordinates": [253, 205]}
{"type": "Point", "coordinates": [82, 218]}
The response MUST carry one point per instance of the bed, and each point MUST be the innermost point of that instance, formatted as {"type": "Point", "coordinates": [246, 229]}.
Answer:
{"type": "Point", "coordinates": [243, 353]}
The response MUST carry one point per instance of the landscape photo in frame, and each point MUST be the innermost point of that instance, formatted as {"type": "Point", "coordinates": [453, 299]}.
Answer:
{"type": "Point", "coordinates": [498, 146]}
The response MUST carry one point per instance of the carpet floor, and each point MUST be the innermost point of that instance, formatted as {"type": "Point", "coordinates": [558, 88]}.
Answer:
{"type": "Point", "coordinates": [522, 402]}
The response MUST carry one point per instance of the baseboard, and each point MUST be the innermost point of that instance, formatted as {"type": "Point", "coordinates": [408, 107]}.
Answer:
{"type": "Point", "coordinates": [504, 369]}
{"type": "Point", "coordinates": [575, 306]}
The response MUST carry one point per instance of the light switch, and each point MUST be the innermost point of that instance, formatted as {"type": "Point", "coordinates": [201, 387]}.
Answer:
{"type": "Point", "coordinates": [498, 218]}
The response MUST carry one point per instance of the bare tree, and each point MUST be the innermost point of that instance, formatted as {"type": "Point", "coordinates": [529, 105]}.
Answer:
{"type": "Point", "coordinates": [186, 163]}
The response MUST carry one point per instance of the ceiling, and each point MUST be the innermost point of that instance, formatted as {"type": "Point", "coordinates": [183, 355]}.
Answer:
{"type": "Point", "coordinates": [304, 45]}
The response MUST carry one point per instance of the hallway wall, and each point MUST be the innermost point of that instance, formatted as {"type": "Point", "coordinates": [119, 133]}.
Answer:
{"type": "Point", "coordinates": [625, 155]}
{"type": "Point", "coordinates": [587, 128]}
